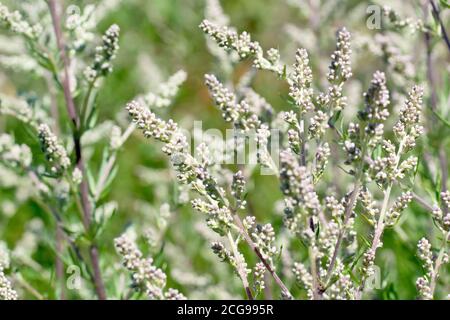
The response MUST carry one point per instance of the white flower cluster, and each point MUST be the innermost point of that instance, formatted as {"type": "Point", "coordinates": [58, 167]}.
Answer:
{"type": "Point", "coordinates": [257, 104]}
{"type": "Point", "coordinates": [21, 62]}
{"type": "Point", "coordinates": [301, 200]}
{"type": "Point", "coordinates": [54, 151]}
{"type": "Point", "coordinates": [376, 101]}
{"type": "Point", "coordinates": [166, 91]}
{"type": "Point", "coordinates": [189, 170]}
{"type": "Point", "coordinates": [6, 290]}
{"type": "Point", "coordinates": [238, 189]}
{"type": "Point", "coordinates": [145, 275]}
{"type": "Point", "coordinates": [238, 113]}
{"type": "Point", "coordinates": [339, 71]}
{"type": "Point", "coordinates": [304, 278]}
{"type": "Point", "coordinates": [229, 39]}
{"type": "Point", "coordinates": [423, 283]}
{"type": "Point", "coordinates": [15, 22]}
{"type": "Point", "coordinates": [401, 23]}
{"type": "Point", "coordinates": [80, 23]}
{"type": "Point", "coordinates": [17, 108]}
{"type": "Point", "coordinates": [104, 55]}
{"type": "Point", "coordinates": [323, 152]}
{"type": "Point", "coordinates": [5, 259]}
{"type": "Point", "coordinates": [443, 219]}
{"type": "Point", "coordinates": [263, 237]}
{"type": "Point", "coordinates": [223, 98]}
{"type": "Point", "coordinates": [369, 206]}
{"type": "Point", "coordinates": [152, 126]}
{"type": "Point", "coordinates": [243, 45]}
{"type": "Point", "coordinates": [219, 219]}
{"type": "Point", "coordinates": [258, 273]}
{"type": "Point", "coordinates": [408, 126]}
{"type": "Point", "coordinates": [426, 285]}
{"type": "Point", "coordinates": [300, 81]}
{"type": "Point", "coordinates": [236, 261]}
{"type": "Point", "coordinates": [340, 66]}
{"type": "Point", "coordinates": [12, 154]}
{"type": "Point", "coordinates": [399, 205]}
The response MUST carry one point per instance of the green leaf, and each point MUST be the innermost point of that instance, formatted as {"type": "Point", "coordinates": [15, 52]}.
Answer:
{"type": "Point", "coordinates": [90, 179]}
{"type": "Point", "coordinates": [445, 4]}
{"type": "Point", "coordinates": [390, 293]}
{"type": "Point", "coordinates": [444, 121]}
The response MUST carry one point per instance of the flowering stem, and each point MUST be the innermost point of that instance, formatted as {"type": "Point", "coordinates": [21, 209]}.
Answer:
{"type": "Point", "coordinates": [444, 172]}
{"type": "Point", "coordinates": [59, 233]}
{"type": "Point", "coordinates": [65, 59]}
{"type": "Point", "coordinates": [302, 143]}
{"type": "Point", "coordinates": [240, 267]}
{"type": "Point", "coordinates": [84, 189]}
{"type": "Point", "coordinates": [347, 215]}
{"type": "Point", "coordinates": [380, 224]}
{"type": "Point", "coordinates": [284, 289]}
{"type": "Point", "coordinates": [317, 293]}
{"type": "Point", "coordinates": [438, 263]}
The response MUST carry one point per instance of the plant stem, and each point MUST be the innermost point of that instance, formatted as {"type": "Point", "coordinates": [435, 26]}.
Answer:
{"type": "Point", "coordinates": [422, 202]}
{"type": "Point", "coordinates": [347, 215]}
{"type": "Point", "coordinates": [444, 178]}
{"type": "Point", "coordinates": [317, 293]}
{"type": "Point", "coordinates": [28, 287]}
{"type": "Point", "coordinates": [84, 189]}
{"type": "Point", "coordinates": [380, 224]}
{"type": "Point", "coordinates": [441, 23]}
{"type": "Point", "coordinates": [240, 267]}
{"type": "Point", "coordinates": [302, 143]}
{"type": "Point", "coordinates": [438, 263]}
{"type": "Point", "coordinates": [284, 290]}
{"type": "Point", "coordinates": [59, 245]}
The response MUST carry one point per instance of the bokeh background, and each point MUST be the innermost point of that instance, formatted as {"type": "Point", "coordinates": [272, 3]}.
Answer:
{"type": "Point", "coordinates": [160, 37]}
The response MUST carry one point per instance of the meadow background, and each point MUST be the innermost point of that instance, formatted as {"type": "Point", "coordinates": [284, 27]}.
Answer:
{"type": "Point", "coordinates": [159, 37]}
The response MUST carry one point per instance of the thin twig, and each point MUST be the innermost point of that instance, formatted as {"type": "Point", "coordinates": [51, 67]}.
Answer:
{"type": "Point", "coordinates": [284, 289]}
{"type": "Point", "coordinates": [59, 245]}
{"type": "Point", "coordinates": [240, 267]}
{"type": "Point", "coordinates": [422, 202]}
{"type": "Point", "coordinates": [52, 211]}
{"type": "Point", "coordinates": [347, 215]}
{"type": "Point", "coordinates": [28, 287]}
{"type": "Point", "coordinates": [438, 263]}
{"type": "Point", "coordinates": [444, 172]}
{"type": "Point", "coordinates": [441, 23]}
{"type": "Point", "coordinates": [317, 288]}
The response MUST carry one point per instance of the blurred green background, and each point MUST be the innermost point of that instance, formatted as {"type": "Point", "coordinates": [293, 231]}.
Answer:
{"type": "Point", "coordinates": [159, 37]}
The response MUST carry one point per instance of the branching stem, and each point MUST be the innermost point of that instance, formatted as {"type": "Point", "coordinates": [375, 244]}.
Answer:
{"type": "Point", "coordinates": [84, 189]}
